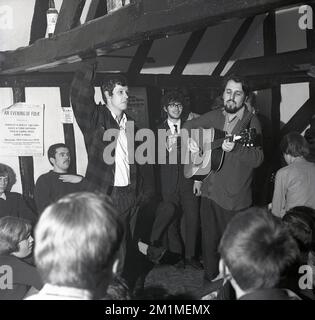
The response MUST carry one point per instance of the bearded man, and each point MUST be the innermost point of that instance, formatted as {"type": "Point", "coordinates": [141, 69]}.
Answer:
{"type": "Point", "coordinates": [228, 191]}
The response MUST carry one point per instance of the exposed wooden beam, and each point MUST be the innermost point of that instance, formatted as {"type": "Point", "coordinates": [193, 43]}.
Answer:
{"type": "Point", "coordinates": [270, 35]}
{"type": "Point", "coordinates": [279, 63]}
{"type": "Point", "coordinates": [267, 81]}
{"type": "Point", "coordinates": [39, 21]}
{"type": "Point", "coordinates": [301, 118]}
{"type": "Point", "coordinates": [69, 15]}
{"type": "Point", "coordinates": [139, 58]}
{"type": "Point", "coordinates": [237, 39]}
{"type": "Point", "coordinates": [41, 79]}
{"type": "Point", "coordinates": [98, 8]}
{"type": "Point", "coordinates": [54, 79]}
{"type": "Point", "coordinates": [188, 51]}
{"type": "Point", "coordinates": [144, 19]}
{"type": "Point", "coordinates": [26, 163]}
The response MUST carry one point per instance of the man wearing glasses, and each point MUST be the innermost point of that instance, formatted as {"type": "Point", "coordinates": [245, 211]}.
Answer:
{"type": "Point", "coordinates": [177, 193]}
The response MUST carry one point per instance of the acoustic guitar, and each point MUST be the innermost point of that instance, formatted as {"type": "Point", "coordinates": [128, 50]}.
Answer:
{"type": "Point", "coordinates": [210, 156]}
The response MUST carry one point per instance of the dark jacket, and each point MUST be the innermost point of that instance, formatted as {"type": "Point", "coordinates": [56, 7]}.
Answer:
{"type": "Point", "coordinates": [172, 174]}
{"type": "Point", "coordinates": [94, 121]}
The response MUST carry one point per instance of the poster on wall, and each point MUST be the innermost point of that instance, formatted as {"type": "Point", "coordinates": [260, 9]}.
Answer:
{"type": "Point", "coordinates": [22, 130]}
{"type": "Point", "coordinates": [138, 106]}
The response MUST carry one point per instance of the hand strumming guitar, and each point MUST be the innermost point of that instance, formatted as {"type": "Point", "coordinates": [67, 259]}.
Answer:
{"type": "Point", "coordinates": [227, 145]}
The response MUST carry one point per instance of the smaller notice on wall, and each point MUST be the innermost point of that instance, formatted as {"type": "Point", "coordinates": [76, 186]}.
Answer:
{"type": "Point", "coordinates": [22, 130]}
{"type": "Point", "coordinates": [67, 115]}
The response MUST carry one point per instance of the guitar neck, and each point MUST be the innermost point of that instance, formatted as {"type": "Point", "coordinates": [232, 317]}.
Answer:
{"type": "Point", "coordinates": [216, 144]}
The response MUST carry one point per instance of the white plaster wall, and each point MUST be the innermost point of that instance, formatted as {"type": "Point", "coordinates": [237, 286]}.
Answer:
{"type": "Point", "coordinates": [53, 128]}
{"type": "Point", "coordinates": [6, 99]}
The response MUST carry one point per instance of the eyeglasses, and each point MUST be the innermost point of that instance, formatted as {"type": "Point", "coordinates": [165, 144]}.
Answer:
{"type": "Point", "coordinates": [4, 179]}
{"type": "Point", "coordinates": [175, 105]}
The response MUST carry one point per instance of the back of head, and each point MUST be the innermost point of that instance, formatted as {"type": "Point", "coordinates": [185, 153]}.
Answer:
{"type": "Point", "coordinates": [300, 223]}
{"type": "Point", "coordinates": [77, 239]}
{"type": "Point", "coordinates": [12, 231]}
{"type": "Point", "coordinates": [256, 248]}
{"type": "Point", "coordinates": [294, 144]}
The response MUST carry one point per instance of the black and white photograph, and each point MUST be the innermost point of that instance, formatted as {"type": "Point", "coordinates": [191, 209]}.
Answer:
{"type": "Point", "coordinates": [157, 150]}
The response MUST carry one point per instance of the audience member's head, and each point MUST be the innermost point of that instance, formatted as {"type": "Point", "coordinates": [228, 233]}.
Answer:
{"type": "Point", "coordinates": [59, 157]}
{"type": "Point", "coordinates": [301, 230]}
{"type": "Point", "coordinates": [293, 145]}
{"type": "Point", "coordinates": [255, 249]}
{"type": "Point", "coordinates": [4, 178]}
{"type": "Point", "coordinates": [304, 218]}
{"type": "Point", "coordinates": [7, 178]}
{"type": "Point", "coordinates": [15, 237]}
{"type": "Point", "coordinates": [77, 240]}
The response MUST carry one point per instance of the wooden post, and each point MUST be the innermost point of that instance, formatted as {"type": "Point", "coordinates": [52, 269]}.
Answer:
{"type": "Point", "coordinates": [310, 38]}
{"type": "Point", "coordinates": [272, 154]}
{"type": "Point", "coordinates": [26, 163]}
{"type": "Point", "coordinates": [68, 129]}
{"type": "Point", "coordinates": [270, 49]}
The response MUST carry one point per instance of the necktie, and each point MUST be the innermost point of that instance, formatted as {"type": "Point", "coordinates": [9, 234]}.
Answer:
{"type": "Point", "coordinates": [175, 127]}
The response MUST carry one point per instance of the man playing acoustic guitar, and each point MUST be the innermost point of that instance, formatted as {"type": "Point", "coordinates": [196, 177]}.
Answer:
{"type": "Point", "coordinates": [227, 191]}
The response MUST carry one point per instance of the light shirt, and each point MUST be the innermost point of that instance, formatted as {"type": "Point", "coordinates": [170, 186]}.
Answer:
{"type": "Point", "coordinates": [230, 124]}
{"type": "Point", "coordinates": [122, 169]}
{"type": "Point", "coordinates": [53, 292]}
{"type": "Point", "coordinates": [172, 127]}
{"type": "Point", "coordinates": [3, 196]}
{"type": "Point", "coordinates": [294, 186]}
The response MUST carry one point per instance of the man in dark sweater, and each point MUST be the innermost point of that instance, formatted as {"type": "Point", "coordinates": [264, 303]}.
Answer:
{"type": "Point", "coordinates": [56, 183]}
{"type": "Point", "coordinates": [12, 203]}
{"type": "Point", "coordinates": [228, 191]}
